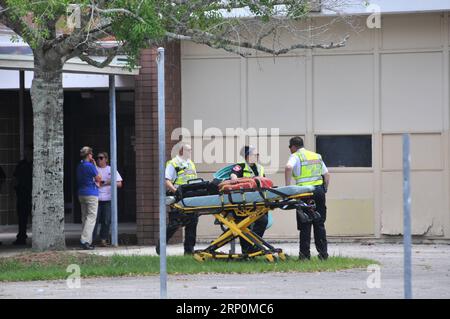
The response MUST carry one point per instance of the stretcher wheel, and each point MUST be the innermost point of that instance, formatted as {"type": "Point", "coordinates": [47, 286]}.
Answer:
{"type": "Point", "coordinates": [199, 258]}
{"type": "Point", "coordinates": [270, 258]}
{"type": "Point", "coordinates": [282, 256]}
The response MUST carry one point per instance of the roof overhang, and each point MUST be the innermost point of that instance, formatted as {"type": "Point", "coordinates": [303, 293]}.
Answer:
{"type": "Point", "coordinates": [358, 7]}
{"type": "Point", "coordinates": [75, 65]}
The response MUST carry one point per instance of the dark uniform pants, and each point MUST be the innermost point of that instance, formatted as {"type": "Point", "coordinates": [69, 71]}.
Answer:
{"type": "Point", "coordinates": [189, 221]}
{"type": "Point", "coordinates": [23, 211]}
{"type": "Point", "coordinates": [258, 227]}
{"type": "Point", "coordinates": [320, 236]}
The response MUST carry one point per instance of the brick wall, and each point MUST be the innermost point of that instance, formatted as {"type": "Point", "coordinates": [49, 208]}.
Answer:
{"type": "Point", "coordinates": [146, 113]}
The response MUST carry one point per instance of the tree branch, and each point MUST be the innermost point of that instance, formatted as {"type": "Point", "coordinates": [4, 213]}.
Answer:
{"type": "Point", "coordinates": [118, 10]}
{"type": "Point", "coordinates": [69, 44]}
{"type": "Point", "coordinates": [17, 25]}
{"type": "Point", "coordinates": [85, 57]}
{"type": "Point", "coordinates": [227, 44]}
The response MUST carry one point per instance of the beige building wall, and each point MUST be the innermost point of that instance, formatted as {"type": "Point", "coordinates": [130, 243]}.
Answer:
{"type": "Point", "coordinates": [383, 83]}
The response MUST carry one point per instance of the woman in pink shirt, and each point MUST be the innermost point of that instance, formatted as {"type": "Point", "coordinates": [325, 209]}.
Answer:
{"type": "Point", "coordinates": [104, 198]}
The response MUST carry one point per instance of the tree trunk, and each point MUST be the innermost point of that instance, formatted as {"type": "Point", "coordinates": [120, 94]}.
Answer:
{"type": "Point", "coordinates": [48, 157]}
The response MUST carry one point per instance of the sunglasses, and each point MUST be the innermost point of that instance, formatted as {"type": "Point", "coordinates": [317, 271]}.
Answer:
{"type": "Point", "coordinates": [100, 157]}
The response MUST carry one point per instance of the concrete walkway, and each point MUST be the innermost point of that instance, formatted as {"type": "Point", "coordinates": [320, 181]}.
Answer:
{"type": "Point", "coordinates": [431, 279]}
{"type": "Point", "coordinates": [72, 232]}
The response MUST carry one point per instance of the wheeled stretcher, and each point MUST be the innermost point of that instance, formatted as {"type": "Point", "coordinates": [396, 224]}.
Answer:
{"type": "Point", "coordinates": [237, 210]}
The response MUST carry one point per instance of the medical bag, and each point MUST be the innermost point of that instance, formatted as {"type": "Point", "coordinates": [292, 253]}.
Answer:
{"type": "Point", "coordinates": [197, 187]}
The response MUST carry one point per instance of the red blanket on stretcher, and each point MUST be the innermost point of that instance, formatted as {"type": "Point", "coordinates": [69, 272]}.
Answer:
{"type": "Point", "coordinates": [245, 183]}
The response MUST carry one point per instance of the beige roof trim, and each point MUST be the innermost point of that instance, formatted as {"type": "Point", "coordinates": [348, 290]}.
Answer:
{"type": "Point", "coordinates": [75, 65]}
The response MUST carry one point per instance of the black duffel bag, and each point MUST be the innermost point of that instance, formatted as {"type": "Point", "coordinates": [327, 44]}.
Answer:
{"type": "Point", "coordinates": [197, 187]}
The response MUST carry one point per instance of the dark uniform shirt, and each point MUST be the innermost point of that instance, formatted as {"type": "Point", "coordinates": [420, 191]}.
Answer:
{"type": "Point", "coordinates": [24, 176]}
{"type": "Point", "coordinates": [2, 178]}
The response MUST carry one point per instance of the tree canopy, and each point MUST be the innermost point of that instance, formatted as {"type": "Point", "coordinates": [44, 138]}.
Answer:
{"type": "Point", "coordinates": [135, 24]}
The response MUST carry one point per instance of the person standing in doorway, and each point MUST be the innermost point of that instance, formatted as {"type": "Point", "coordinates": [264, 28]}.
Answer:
{"type": "Point", "coordinates": [88, 180]}
{"type": "Point", "coordinates": [104, 199]}
{"type": "Point", "coordinates": [2, 178]}
{"type": "Point", "coordinates": [23, 182]}
{"type": "Point", "coordinates": [2, 182]}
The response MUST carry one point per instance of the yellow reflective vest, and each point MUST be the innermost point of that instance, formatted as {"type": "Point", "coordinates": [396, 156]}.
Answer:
{"type": "Point", "coordinates": [184, 173]}
{"type": "Point", "coordinates": [248, 172]}
{"type": "Point", "coordinates": [311, 170]}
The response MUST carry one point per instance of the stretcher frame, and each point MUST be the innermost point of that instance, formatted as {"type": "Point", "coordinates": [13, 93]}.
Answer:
{"type": "Point", "coordinates": [236, 217]}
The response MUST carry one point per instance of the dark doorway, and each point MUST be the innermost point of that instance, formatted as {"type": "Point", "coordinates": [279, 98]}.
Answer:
{"type": "Point", "coordinates": [86, 122]}
{"type": "Point", "coordinates": [10, 148]}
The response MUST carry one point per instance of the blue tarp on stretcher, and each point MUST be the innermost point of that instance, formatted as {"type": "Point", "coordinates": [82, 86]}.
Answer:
{"type": "Point", "coordinates": [244, 198]}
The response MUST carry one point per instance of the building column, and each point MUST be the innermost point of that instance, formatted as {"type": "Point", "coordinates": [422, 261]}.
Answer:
{"type": "Point", "coordinates": [146, 121]}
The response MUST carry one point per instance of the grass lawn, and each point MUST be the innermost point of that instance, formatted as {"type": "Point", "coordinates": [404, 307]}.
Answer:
{"type": "Point", "coordinates": [53, 265]}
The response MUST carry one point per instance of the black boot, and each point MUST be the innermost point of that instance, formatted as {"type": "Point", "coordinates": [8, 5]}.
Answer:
{"type": "Point", "coordinates": [323, 256]}
{"type": "Point", "coordinates": [302, 257]}
{"type": "Point", "coordinates": [20, 242]}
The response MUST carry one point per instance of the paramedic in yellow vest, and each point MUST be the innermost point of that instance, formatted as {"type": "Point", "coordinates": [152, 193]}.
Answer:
{"type": "Point", "coordinates": [308, 168]}
{"type": "Point", "coordinates": [250, 168]}
{"type": "Point", "coordinates": [179, 171]}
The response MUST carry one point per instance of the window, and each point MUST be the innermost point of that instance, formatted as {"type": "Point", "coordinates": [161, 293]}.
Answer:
{"type": "Point", "coordinates": [345, 150]}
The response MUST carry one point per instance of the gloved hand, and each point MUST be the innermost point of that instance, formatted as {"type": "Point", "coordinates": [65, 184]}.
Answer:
{"type": "Point", "coordinates": [178, 195]}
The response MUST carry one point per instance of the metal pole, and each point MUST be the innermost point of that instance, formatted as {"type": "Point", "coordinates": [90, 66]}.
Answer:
{"type": "Point", "coordinates": [407, 216]}
{"type": "Point", "coordinates": [162, 187]}
{"type": "Point", "coordinates": [113, 147]}
{"type": "Point", "coordinates": [21, 114]}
